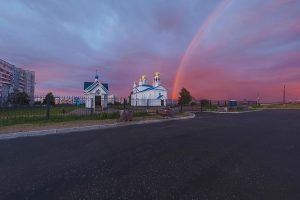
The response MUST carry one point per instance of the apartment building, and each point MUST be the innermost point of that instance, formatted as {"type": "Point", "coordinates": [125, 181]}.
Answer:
{"type": "Point", "coordinates": [14, 78]}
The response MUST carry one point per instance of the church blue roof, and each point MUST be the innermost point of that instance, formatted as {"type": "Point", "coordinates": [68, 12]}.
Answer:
{"type": "Point", "coordinates": [146, 88]}
{"type": "Point", "coordinates": [105, 85]}
{"type": "Point", "coordinates": [160, 96]}
{"type": "Point", "coordinates": [88, 84]}
{"type": "Point", "coordinates": [146, 85]}
{"type": "Point", "coordinates": [150, 88]}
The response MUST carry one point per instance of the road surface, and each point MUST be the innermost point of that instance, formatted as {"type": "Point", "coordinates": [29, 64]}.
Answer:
{"type": "Point", "coordinates": [214, 156]}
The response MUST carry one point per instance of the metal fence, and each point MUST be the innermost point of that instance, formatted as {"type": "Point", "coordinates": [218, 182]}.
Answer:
{"type": "Point", "coordinates": [64, 108]}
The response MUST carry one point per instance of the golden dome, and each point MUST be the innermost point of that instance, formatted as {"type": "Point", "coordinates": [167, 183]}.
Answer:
{"type": "Point", "coordinates": [156, 74]}
{"type": "Point", "coordinates": [144, 77]}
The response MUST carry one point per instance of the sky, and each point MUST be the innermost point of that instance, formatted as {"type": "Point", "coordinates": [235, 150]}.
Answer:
{"type": "Point", "coordinates": [217, 49]}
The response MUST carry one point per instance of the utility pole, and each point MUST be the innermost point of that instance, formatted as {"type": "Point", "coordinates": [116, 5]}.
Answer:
{"type": "Point", "coordinates": [284, 95]}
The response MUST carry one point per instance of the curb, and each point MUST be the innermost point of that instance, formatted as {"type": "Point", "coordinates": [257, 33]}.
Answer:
{"type": "Point", "coordinates": [8, 136]}
{"type": "Point", "coordinates": [249, 111]}
{"type": "Point", "coordinates": [280, 108]}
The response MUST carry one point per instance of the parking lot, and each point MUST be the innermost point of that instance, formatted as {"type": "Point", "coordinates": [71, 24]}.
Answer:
{"type": "Point", "coordinates": [251, 155]}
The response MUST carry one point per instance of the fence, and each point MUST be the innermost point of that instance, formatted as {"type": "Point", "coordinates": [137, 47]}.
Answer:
{"type": "Point", "coordinates": [52, 113]}
{"type": "Point", "coordinates": [66, 108]}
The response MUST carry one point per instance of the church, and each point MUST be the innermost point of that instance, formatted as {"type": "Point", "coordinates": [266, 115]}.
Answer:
{"type": "Point", "coordinates": [96, 94]}
{"type": "Point", "coordinates": [144, 94]}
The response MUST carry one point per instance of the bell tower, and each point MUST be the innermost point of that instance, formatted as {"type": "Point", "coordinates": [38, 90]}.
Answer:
{"type": "Point", "coordinates": [156, 79]}
{"type": "Point", "coordinates": [144, 79]}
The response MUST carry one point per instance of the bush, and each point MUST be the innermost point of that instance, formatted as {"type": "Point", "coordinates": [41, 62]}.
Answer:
{"type": "Point", "coordinates": [18, 98]}
{"type": "Point", "coordinates": [140, 114]}
{"type": "Point", "coordinates": [193, 104]}
{"type": "Point", "coordinates": [113, 115]}
{"type": "Point", "coordinates": [204, 102]}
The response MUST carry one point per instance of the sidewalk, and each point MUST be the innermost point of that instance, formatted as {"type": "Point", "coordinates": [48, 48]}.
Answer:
{"type": "Point", "coordinates": [17, 131]}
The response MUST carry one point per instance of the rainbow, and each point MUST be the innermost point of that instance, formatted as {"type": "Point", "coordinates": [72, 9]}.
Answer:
{"type": "Point", "coordinates": [195, 41]}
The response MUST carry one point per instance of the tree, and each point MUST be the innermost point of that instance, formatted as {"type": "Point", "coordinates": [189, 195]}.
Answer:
{"type": "Point", "coordinates": [205, 102]}
{"type": "Point", "coordinates": [129, 98]}
{"type": "Point", "coordinates": [49, 98]}
{"type": "Point", "coordinates": [184, 97]}
{"type": "Point", "coordinates": [18, 98]}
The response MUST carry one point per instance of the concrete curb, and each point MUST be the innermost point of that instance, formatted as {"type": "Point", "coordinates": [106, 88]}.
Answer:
{"type": "Point", "coordinates": [280, 108]}
{"type": "Point", "coordinates": [7, 136]}
{"type": "Point", "coordinates": [249, 111]}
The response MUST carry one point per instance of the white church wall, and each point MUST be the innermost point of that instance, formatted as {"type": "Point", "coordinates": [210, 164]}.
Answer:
{"type": "Point", "coordinates": [89, 102]}
{"type": "Point", "coordinates": [144, 98]}
{"type": "Point", "coordinates": [98, 90]}
{"type": "Point", "coordinates": [105, 102]}
{"type": "Point", "coordinates": [148, 95]}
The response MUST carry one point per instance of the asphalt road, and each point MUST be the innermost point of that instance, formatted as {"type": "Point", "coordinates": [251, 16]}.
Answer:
{"type": "Point", "coordinates": [214, 156]}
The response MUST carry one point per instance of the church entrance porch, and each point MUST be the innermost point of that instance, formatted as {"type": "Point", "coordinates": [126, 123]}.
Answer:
{"type": "Point", "coordinates": [98, 102]}
{"type": "Point", "coordinates": [96, 94]}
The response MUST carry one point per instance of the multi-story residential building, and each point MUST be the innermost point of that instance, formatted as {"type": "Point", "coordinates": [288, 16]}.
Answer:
{"type": "Point", "coordinates": [29, 84]}
{"type": "Point", "coordinates": [14, 78]}
{"type": "Point", "coordinates": [6, 80]}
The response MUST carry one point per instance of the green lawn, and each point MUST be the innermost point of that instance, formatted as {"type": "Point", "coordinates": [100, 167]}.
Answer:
{"type": "Point", "coordinates": [13, 116]}
{"type": "Point", "coordinates": [284, 106]}
{"type": "Point", "coordinates": [55, 118]}
{"type": "Point", "coordinates": [279, 105]}
{"type": "Point", "coordinates": [36, 111]}
{"type": "Point", "coordinates": [9, 116]}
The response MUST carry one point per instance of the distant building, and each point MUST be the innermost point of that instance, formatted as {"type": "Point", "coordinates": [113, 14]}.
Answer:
{"type": "Point", "coordinates": [96, 94]}
{"type": "Point", "coordinates": [14, 78]}
{"type": "Point", "coordinates": [111, 99]}
{"type": "Point", "coordinates": [6, 80]}
{"type": "Point", "coordinates": [144, 94]}
{"type": "Point", "coordinates": [29, 84]}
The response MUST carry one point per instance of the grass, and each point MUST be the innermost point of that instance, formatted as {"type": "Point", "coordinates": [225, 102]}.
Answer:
{"type": "Point", "coordinates": [283, 106]}
{"type": "Point", "coordinates": [210, 107]}
{"type": "Point", "coordinates": [277, 105]}
{"type": "Point", "coordinates": [40, 119]}
{"type": "Point", "coordinates": [56, 118]}
{"type": "Point", "coordinates": [141, 114]}
{"type": "Point", "coordinates": [36, 111]}
{"type": "Point", "coordinates": [34, 115]}
{"type": "Point", "coordinates": [77, 121]}
{"type": "Point", "coordinates": [53, 124]}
